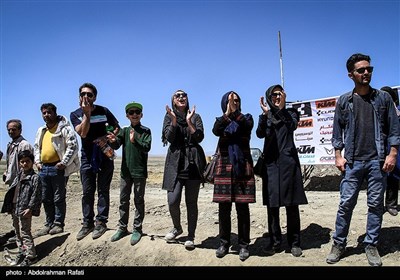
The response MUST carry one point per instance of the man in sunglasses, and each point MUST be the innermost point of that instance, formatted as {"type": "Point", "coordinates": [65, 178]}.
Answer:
{"type": "Point", "coordinates": [90, 122]}
{"type": "Point", "coordinates": [135, 140]}
{"type": "Point", "coordinates": [367, 128]}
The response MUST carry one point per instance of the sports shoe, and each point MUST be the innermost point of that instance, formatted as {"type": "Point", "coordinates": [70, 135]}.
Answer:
{"type": "Point", "coordinates": [17, 260]}
{"type": "Point", "coordinates": [244, 254]}
{"type": "Point", "coordinates": [43, 231]}
{"type": "Point", "coordinates": [221, 251]}
{"type": "Point", "coordinates": [99, 230]}
{"type": "Point", "coordinates": [373, 255]}
{"type": "Point", "coordinates": [12, 239]}
{"type": "Point", "coordinates": [29, 261]}
{"type": "Point", "coordinates": [296, 251]}
{"type": "Point", "coordinates": [56, 229]}
{"type": "Point", "coordinates": [120, 233]}
{"type": "Point", "coordinates": [135, 237]}
{"type": "Point", "coordinates": [173, 234]}
{"type": "Point", "coordinates": [392, 211]}
{"type": "Point", "coordinates": [336, 253]}
{"type": "Point", "coordinates": [189, 245]}
{"type": "Point", "coordinates": [85, 230]}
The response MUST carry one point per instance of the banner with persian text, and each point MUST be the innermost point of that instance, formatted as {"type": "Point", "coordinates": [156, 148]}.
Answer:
{"type": "Point", "coordinates": [313, 136]}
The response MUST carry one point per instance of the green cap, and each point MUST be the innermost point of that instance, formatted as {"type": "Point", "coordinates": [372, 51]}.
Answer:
{"type": "Point", "coordinates": [133, 104]}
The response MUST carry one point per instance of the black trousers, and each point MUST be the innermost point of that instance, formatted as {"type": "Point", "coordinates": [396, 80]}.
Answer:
{"type": "Point", "coordinates": [225, 223]}
{"type": "Point", "coordinates": [293, 226]}
{"type": "Point", "coordinates": [392, 192]}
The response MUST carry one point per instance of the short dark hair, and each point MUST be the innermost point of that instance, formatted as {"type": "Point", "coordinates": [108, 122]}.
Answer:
{"type": "Point", "coordinates": [393, 93]}
{"type": "Point", "coordinates": [25, 153]}
{"type": "Point", "coordinates": [50, 106]}
{"type": "Point", "coordinates": [17, 121]}
{"type": "Point", "coordinates": [354, 59]}
{"type": "Point", "coordinates": [88, 85]}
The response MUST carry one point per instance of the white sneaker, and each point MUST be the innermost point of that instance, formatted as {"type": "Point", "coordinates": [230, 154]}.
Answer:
{"type": "Point", "coordinates": [170, 237]}
{"type": "Point", "coordinates": [189, 244]}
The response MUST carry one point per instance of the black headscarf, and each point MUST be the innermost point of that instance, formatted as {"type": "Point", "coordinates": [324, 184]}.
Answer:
{"type": "Point", "coordinates": [180, 117]}
{"type": "Point", "coordinates": [273, 108]}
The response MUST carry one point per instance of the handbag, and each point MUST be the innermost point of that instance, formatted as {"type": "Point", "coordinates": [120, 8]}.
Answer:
{"type": "Point", "coordinates": [258, 168]}
{"type": "Point", "coordinates": [209, 170]}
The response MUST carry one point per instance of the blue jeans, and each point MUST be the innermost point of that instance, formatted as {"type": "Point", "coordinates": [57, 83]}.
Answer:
{"type": "Point", "coordinates": [124, 197]}
{"type": "Point", "coordinates": [350, 186]}
{"type": "Point", "coordinates": [91, 181]}
{"type": "Point", "coordinates": [53, 194]}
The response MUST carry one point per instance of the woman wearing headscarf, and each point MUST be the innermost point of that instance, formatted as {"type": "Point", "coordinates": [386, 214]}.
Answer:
{"type": "Point", "coordinates": [282, 183]}
{"type": "Point", "coordinates": [184, 163]}
{"type": "Point", "coordinates": [234, 177]}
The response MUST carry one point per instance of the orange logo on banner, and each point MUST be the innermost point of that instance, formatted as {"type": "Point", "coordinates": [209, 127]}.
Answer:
{"type": "Point", "coordinates": [305, 123]}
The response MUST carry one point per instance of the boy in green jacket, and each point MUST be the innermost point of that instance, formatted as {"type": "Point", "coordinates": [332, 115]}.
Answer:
{"type": "Point", "coordinates": [136, 143]}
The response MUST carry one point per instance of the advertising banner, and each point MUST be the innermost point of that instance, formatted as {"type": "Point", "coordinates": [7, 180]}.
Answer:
{"type": "Point", "coordinates": [313, 136]}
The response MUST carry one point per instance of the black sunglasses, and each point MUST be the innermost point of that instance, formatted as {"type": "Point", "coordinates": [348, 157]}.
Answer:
{"type": "Point", "coordinates": [137, 112]}
{"type": "Point", "coordinates": [362, 69]}
{"type": "Point", "coordinates": [88, 94]}
{"type": "Point", "coordinates": [180, 95]}
{"type": "Point", "coordinates": [276, 93]}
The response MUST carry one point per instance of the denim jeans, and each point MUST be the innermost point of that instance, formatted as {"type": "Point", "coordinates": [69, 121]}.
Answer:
{"type": "Point", "coordinates": [350, 186]}
{"type": "Point", "coordinates": [91, 181]}
{"type": "Point", "coordinates": [192, 188]}
{"type": "Point", "coordinates": [53, 195]}
{"type": "Point", "coordinates": [138, 198]}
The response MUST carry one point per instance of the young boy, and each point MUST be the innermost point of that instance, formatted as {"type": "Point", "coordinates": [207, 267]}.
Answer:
{"type": "Point", "coordinates": [24, 199]}
{"type": "Point", "coordinates": [136, 142]}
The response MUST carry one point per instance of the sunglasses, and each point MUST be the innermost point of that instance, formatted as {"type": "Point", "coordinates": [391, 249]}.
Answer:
{"type": "Point", "coordinates": [362, 69]}
{"type": "Point", "coordinates": [137, 112]}
{"type": "Point", "coordinates": [88, 94]}
{"type": "Point", "coordinates": [276, 93]}
{"type": "Point", "coordinates": [180, 95]}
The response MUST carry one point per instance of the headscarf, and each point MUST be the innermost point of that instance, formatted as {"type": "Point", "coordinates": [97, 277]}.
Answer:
{"type": "Point", "coordinates": [235, 153]}
{"type": "Point", "coordinates": [180, 117]}
{"type": "Point", "coordinates": [224, 101]}
{"type": "Point", "coordinates": [273, 108]}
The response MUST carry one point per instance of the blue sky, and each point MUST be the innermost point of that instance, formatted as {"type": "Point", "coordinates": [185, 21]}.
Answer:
{"type": "Point", "coordinates": [145, 50]}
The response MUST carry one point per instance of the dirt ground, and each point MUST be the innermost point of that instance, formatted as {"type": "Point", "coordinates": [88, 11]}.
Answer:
{"type": "Point", "coordinates": [317, 223]}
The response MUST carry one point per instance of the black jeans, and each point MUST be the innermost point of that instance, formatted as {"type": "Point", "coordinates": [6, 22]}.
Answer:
{"type": "Point", "coordinates": [192, 188]}
{"type": "Point", "coordinates": [225, 223]}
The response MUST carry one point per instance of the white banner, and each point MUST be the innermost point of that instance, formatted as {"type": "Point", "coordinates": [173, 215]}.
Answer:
{"type": "Point", "coordinates": [313, 136]}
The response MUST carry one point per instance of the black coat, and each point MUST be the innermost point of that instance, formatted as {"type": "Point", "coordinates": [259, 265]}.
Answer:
{"type": "Point", "coordinates": [182, 143]}
{"type": "Point", "coordinates": [282, 182]}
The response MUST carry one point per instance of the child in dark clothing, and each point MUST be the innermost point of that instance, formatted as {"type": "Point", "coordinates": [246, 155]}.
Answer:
{"type": "Point", "coordinates": [24, 199]}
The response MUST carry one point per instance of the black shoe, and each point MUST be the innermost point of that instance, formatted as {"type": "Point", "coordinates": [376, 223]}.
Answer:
{"type": "Point", "coordinates": [392, 211]}
{"type": "Point", "coordinates": [270, 251]}
{"type": "Point", "coordinates": [221, 251]}
{"type": "Point", "coordinates": [85, 230]}
{"type": "Point", "coordinates": [244, 254]}
{"type": "Point", "coordinates": [296, 251]}
{"type": "Point", "coordinates": [99, 230]}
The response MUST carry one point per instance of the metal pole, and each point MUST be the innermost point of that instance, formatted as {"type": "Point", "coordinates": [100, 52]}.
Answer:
{"type": "Point", "coordinates": [280, 59]}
